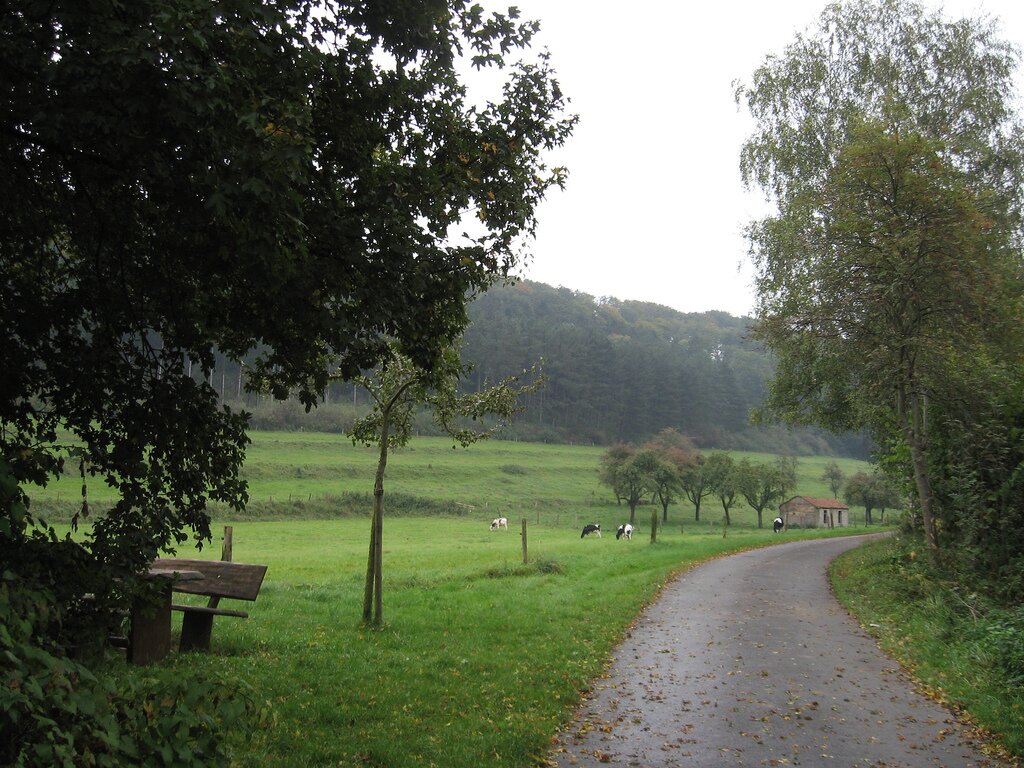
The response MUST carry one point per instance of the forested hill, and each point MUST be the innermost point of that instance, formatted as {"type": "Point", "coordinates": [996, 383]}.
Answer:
{"type": "Point", "coordinates": [623, 370]}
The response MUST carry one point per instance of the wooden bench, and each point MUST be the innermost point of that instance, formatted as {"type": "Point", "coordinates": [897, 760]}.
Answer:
{"type": "Point", "coordinates": [220, 579]}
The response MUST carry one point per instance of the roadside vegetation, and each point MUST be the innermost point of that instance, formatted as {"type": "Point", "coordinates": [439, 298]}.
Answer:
{"type": "Point", "coordinates": [964, 649]}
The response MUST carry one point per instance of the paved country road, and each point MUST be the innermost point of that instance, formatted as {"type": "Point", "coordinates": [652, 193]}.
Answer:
{"type": "Point", "coordinates": [749, 660]}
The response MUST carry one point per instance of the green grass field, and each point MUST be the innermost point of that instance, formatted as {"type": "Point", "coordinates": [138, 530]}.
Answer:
{"type": "Point", "coordinates": [308, 474]}
{"type": "Point", "coordinates": [483, 658]}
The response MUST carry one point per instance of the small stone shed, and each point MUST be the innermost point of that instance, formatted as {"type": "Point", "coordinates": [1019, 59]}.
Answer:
{"type": "Point", "coordinates": [809, 512]}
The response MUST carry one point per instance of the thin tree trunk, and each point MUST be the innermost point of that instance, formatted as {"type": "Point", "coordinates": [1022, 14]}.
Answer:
{"type": "Point", "coordinates": [370, 560]}
{"type": "Point", "coordinates": [373, 602]}
{"type": "Point", "coordinates": [912, 424]}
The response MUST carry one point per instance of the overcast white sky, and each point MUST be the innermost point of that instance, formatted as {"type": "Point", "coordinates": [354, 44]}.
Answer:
{"type": "Point", "coordinates": [654, 207]}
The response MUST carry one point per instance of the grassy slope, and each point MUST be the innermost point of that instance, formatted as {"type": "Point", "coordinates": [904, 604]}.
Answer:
{"type": "Point", "coordinates": [547, 483]}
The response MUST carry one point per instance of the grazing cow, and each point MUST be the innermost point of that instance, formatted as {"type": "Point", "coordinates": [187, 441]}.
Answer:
{"type": "Point", "coordinates": [499, 522]}
{"type": "Point", "coordinates": [624, 531]}
{"type": "Point", "coordinates": [777, 525]}
{"type": "Point", "coordinates": [591, 528]}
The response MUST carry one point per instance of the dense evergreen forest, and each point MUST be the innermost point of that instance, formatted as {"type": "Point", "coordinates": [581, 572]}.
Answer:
{"type": "Point", "coordinates": [616, 370]}
{"type": "Point", "coordinates": [623, 370]}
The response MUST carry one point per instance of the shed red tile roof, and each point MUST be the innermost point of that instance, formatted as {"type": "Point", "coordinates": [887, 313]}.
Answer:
{"type": "Point", "coordinates": [823, 503]}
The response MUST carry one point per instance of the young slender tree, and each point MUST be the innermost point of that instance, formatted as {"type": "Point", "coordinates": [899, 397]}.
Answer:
{"type": "Point", "coordinates": [399, 389]}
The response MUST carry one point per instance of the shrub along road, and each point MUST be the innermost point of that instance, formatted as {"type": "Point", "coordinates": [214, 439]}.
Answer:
{"type": "Point", "coordinates": [749, 660]}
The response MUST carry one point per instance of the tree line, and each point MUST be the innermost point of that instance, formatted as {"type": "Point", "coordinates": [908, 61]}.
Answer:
{"type": "Point", "coordinates": [669, 468]}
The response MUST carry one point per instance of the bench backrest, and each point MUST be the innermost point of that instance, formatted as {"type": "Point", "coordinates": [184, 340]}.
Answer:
{"type": "Point", "coordinates": [240, 581]}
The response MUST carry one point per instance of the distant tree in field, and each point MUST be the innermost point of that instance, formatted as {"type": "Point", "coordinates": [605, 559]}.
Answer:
{"type": "Point", "coordinates": [763, 485]}
{"type": "Point", "coordinates": [399, 388]}
{"type": "Point", "coordinates": [888, 276]}
{"type": "Point", "coordinates": [858, 490]}
{"type": "Point", "coordinates": [609, 472]}
{"type": "Point", "coordinates": [677, 454]}
{"type": "Point", "coordinates": [696, 485]}
{"type": "Point", "coordinates": [871, 491]}
{"type": "Point", "coordinates": [723, 479]}
{"type": "Point", "coordinates": [888, 495]}
{"type": "Point", "coordinates": [671, 439]}
{"type": "Point", "coordinates": [835, 477]}
{"type": "Point", "coordinates": [638, 477]}
{"type": "Point", "coordinates": [666, 482]}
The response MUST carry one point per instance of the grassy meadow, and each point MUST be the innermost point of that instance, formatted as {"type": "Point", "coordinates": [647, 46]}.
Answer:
{"type": "Point", "coordinates": [308, 474]}
{"type": "Point", "coordinates": [483, 658]}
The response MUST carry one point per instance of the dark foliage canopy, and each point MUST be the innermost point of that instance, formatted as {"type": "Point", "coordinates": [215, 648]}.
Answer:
{"type": "Point", "coordinates": [305, 179]}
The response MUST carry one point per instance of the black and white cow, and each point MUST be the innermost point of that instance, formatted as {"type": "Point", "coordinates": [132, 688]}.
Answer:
{"type": "Point", "coordinates": [625, 531]}
{"type": "Point", "coordinates": [591, 528]}
{"type": "Point", "coordinates": [499, 522]}
{"type": "Point", "coordinates": [777, 524]}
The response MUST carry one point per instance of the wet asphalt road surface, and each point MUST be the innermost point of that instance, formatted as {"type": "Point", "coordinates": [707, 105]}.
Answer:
{"type": "Point", "coordinates": [749, 660]}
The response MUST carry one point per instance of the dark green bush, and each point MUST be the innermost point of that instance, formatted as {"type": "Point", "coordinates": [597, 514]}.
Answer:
{"type": "Point", "coordinates": [54, 711]}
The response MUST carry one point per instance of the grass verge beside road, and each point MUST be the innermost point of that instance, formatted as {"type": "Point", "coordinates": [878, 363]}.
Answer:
{"type": "Point", "coordinates": [960, 651]}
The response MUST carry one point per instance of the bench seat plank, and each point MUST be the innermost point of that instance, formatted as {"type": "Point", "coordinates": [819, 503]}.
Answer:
{"type": "Point", "coordinates": [239, 581]}
{"type": "Point", "coordinates": [209, 611]}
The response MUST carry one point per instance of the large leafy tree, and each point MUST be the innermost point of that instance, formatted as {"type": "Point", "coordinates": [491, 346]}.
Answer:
{"type": "Point", "coordinates": [290, 177]}
{"type": "Point", "coordinates": [886, 278]}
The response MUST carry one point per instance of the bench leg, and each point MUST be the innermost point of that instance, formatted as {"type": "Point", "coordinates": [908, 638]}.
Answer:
{"type": "Point", "coordinates": [149, 639]}
{"type": "Point", "coordinates": [196, 629]}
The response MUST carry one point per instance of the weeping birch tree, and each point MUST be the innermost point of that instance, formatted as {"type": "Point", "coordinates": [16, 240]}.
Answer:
{"type": "Point", "coordinates": [400, 389]}
{"type": "Point", "coordinates": [888, 272]}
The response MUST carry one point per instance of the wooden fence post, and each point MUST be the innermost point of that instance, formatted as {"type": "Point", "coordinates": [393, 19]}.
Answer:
{"type": "Point", "coordinates": [526, 558]}
{"type": "Point", "coordinates": [225, 553]}
{"type": "Point", "coordinates": [654, 526]}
